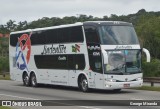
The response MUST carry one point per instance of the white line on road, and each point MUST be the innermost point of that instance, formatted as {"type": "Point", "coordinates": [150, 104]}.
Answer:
{"type": "Point", "coordinates": [19, 97]}
{"type": "Point", "coordinates": [88, 107]}
{"type": "Point", "coordinates": [136, 99]}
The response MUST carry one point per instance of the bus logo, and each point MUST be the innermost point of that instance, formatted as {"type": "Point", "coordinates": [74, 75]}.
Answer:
{"type": "Point", "coordinates": [94, 47]}
{"type": "Point", "coordinates": [75, 48]}
{"type": "Point", "coordinates": [23, 51]}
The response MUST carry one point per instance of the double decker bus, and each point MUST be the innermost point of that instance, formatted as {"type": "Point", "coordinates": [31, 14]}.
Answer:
{"type": "Point", "coordinates": [88, 55]}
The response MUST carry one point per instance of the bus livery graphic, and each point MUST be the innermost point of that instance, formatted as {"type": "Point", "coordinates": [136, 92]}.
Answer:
{"type": "Point", "coordinates": [24, 47]}
{"type": "Point", "coordinates": [76, 48]}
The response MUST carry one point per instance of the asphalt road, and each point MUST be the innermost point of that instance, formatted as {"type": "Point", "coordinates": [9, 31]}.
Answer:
{"type": "Point", "coordinates": [11, 90]}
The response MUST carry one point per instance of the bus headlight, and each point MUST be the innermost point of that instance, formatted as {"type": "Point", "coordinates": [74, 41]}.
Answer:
{"type": "Point", "coordinates": [138, 79]}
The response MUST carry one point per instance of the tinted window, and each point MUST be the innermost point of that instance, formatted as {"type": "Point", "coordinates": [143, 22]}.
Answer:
{"type": "Point", "coordinates": [51, 36]}
{"type": "Point", "coordinates": [95, 63]}
{"type": "Point", "coordinates": [76, 61]}
{"type": "Point", "coordinates": [14, 38]}
{"type": "Point", "coordinates": [76, 34]}
{"type": "Point", "coordinates": [51, 61]}
{"type": "Point", "coordinates": [61, 35]}
{"type": "Point", "coordinates": [122, 35]}
{"type": "Point", "coordinates": [38, 37]}
{"type": "Point", "coordinates": [60, 61]}
{"type": "Point", "coordinates": [70, 34]}
{"type": "Point", "coordinates": [91, 34]}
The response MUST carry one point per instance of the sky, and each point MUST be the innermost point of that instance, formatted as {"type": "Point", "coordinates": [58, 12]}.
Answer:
{"type": "Point", "coordinates": [30, 10]}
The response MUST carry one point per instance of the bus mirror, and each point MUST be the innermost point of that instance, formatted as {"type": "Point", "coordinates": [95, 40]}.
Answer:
{"type": "Point", "coordinates": [105, 56]}
{"type": "Point", "coordinates": [147, 54]}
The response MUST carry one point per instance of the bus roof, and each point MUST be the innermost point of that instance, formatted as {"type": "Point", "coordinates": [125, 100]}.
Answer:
{"type": "Point", "coordinates": [107, 23]}
{"type": "Point", "coordinates": [48, 28]}
{"type": "Point", "coordinates": [76, 24]}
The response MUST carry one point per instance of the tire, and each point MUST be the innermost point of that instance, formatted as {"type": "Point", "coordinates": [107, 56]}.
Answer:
{"type": "Point", "coordinates": [116, 90]}
{"type": "Point", "coordinates": [83, 84]}
{"type": "Point", "coordinates": [33, 80]}
{"type": "Point", "coordinates": [26, 80]}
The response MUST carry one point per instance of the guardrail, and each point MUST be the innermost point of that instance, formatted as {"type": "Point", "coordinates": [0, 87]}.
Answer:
{"type": "Point", "coordinates": [152, 80]}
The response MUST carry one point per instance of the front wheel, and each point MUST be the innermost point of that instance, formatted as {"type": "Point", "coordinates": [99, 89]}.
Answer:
{"type": "Point", "coordinates": [83, 84]}
{"type": "Point", "coordinates": [34, 80]}
{"type": "Point", "coordinates": [117, 90]}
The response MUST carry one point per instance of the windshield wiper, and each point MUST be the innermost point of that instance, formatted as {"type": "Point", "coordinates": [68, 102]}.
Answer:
{"type": "Point", "coordinates": [119, 67]}
{"type": "Point", "coordinates": [115, 73]}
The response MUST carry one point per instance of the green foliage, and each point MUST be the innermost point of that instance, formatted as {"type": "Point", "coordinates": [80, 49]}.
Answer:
{"type": "Point", "coordinates": [148, 30]}
{"type": "Point", "coordinates": [151, 69]}
{"type": "Point", "coordinates": [6, 77]}
{"type": "Point", "coordinates": [148, 88]}
{"type": "Point", "coordinates": [4, 64]}
{"type": "Point", "coordinates": [4, 107]}
{"type": "Point", "coordinates": [4, 59]}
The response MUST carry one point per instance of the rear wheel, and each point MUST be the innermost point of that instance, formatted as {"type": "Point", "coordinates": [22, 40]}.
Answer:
{"type": "Point", "coordinates": [34, 80]}
{"type": "Point", "coordinates": [83, 84]}
{"type": "Point", "coordinates": [26, 81]}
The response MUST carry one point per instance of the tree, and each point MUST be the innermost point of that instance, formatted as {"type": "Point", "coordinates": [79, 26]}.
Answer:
{"type": "Point", "coordinates": [3, 29]}
{"type": "Point", "coordinates": [21, 25]}
{"type": "Point", "coordinates": [114, 17]}
{"type": "Point", "coordinates": [11, 25]}
{"type": "Point", "coordinates": [149, 34]}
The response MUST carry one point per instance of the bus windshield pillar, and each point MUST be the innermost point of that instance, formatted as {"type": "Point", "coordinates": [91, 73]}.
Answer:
{"type": "Point", "coordinates": [105, 56]}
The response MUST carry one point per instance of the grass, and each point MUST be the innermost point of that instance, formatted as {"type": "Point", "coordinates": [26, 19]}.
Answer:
{"type": "Point", "coordinates": [7, 77]}
{"type": "Point", "coordinates": [148, 88]}
{"type": "Point", "coordinates": [4, 107]}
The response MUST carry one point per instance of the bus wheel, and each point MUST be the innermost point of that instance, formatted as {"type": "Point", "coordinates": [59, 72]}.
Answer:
{"type": "Point", "coordinates": [33, 80]}
{"type": "Point", "coordinates": [84, 84]}
{"type": "Point", "coordinates": [116, 90]}
{"type": "Point", "coordinates": [26, 81]}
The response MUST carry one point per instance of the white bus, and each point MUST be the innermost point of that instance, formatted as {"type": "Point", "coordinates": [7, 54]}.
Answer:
{"type": "Point", "coordinates": [93, 54]}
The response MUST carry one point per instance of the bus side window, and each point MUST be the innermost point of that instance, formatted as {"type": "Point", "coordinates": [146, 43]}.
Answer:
{"type": "Point", "coordinates": [91, 34]}
{"type": "Point", "coordinates": [76, 34]}
{"type": "Point", "coordinates": [63, 35]}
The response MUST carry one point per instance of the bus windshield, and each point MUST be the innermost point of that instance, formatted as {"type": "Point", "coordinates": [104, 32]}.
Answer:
{"type": "Point", "coordinates": [123, 62]}
{"type": "Point", "coordinates": [116, 34]}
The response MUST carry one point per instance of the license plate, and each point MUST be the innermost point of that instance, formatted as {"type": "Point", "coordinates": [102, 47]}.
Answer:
{"type": "Point", "coordinates": [126, 85]}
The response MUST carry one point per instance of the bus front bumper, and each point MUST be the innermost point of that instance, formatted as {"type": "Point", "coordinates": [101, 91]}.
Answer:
{"type": "Point", "coordinates": [120, 85]}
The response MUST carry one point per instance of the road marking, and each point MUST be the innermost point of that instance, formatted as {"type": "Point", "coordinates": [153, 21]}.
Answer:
{"type": "Point", "coordinates": [19, 97]}
{"type": "Point", "coordinates": [136, 99]}
{"type": "Point", "coordinates": [88, 107]}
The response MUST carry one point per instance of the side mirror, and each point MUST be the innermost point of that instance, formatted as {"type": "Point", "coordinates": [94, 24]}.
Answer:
{"type": "Point", "coordinates": [147, 54]}
{"type": "Point", "coordinates": [105, 56]}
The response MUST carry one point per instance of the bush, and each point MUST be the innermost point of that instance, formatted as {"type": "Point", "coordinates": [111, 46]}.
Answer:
{"type": "Point", "coordinates": [151, 69]}
{"type": "Point", "coordinates": [4, 64]}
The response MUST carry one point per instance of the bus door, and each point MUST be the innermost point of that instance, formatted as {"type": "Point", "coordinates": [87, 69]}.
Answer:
{"type": "Point", "coordinates": [95, 61]}
{"type": "Point", "coordinates": [98, 75]}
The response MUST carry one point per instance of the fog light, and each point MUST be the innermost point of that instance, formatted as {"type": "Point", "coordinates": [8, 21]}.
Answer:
{"type": "Point", "coordinates": [138, 79]}
{"type": "Point", "coordinates": [107, 85]}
